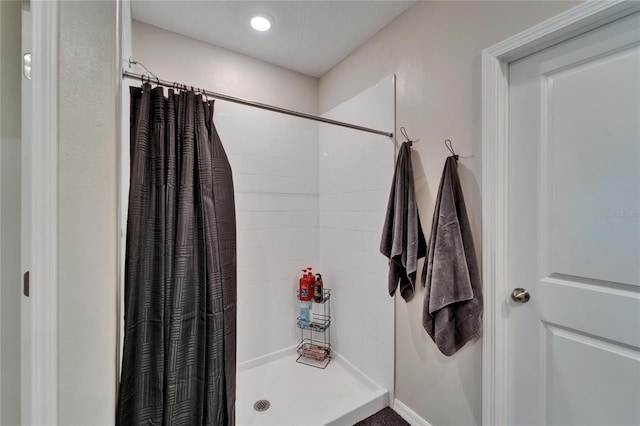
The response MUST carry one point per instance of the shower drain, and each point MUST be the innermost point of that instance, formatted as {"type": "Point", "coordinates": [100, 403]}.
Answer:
{"type": "Point", "coordinates": [262, 405]}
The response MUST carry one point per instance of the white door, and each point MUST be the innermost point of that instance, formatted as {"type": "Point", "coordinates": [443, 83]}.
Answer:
{"type": "Point", "coordinates": [574, 231]}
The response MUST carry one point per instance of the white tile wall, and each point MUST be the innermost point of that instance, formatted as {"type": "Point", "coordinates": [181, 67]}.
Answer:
{"type": "Point", "coordinates": [313, 195]}
{"type": "Point", "coordinates": [275, 170]}
{"type": "Point", "coordinates": [356, 170]}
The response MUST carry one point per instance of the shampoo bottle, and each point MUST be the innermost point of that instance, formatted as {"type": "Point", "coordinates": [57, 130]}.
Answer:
{"type": "Point", "coordinates": [317, 289]}
{"type": "Point", "coordinates": [305, 291]}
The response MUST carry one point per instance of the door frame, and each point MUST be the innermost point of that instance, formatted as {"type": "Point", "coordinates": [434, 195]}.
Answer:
{"type": "Point", "coordinates": [44, 216]}
{"type": "Point", "coordinates": [495, 180]}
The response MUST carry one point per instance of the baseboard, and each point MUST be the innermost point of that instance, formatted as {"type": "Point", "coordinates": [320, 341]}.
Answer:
{"type": "Point", "coordinates": [408, 414]}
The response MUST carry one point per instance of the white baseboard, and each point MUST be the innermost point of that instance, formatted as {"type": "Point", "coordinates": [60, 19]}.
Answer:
{"type": "Point", "coordinates": [408, 414]}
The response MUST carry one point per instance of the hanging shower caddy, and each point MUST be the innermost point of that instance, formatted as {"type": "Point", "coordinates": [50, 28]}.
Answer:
{"type": "Point", "coordinates": [314, 348]}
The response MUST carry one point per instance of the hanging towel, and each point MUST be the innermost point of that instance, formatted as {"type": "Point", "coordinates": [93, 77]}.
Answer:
{"type": "Point", "coordinates": [452, 313]}
{"type": "Point", "coordinates": [403, 241]}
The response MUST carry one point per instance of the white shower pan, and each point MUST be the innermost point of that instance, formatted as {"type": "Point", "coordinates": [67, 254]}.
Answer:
{"type": "Point", "coordinates": [300, 395]}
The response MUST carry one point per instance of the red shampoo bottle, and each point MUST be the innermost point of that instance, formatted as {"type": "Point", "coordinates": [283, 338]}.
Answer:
{"type": "Point", "coordinates": [306, 291]}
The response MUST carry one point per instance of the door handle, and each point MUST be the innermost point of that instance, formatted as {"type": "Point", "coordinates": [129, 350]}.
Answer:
{"type": "Point", "coordinates": [520, 295]}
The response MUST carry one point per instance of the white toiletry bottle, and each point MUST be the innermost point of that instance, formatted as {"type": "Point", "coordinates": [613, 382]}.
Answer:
{"type": "Point", "coordinates": [305, 314]}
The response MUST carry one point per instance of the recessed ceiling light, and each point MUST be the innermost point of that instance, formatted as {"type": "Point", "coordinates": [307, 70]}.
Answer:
{"type": "Point", "coordinates": [260, 23]}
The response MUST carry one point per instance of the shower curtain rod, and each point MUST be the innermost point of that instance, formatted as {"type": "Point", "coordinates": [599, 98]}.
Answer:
{"type": "Point", "coordinates": [254, 104]}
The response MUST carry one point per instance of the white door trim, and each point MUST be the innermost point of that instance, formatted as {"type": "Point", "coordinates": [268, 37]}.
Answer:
{"type": "Point", "coordinates": [0, 244]}
{"type": "Point", "coordinates": [44, 220]}
{"type": "Point", "coordinates": [495, 150]}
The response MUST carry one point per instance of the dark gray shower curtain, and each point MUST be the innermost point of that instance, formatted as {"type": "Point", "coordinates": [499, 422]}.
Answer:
{"type": "Point", "coordinates": [179, 360]}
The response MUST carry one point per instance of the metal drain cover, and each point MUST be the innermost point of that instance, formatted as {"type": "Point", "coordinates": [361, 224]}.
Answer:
{"type": "Point", "coordinates": [262, 405]}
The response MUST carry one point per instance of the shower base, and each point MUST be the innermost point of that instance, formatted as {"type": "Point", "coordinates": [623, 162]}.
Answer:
{"type": "Point", "coordinates": [300, 395]}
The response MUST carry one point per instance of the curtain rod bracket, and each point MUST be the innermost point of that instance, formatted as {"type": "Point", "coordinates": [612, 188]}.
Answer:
{"type": "Point", "coordinates": [133, 62]}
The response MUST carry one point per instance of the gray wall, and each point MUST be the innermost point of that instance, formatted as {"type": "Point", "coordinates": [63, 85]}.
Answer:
{"type": "Point", "coordinates": [175, 57]}
{"type": "Point", "coordinates": [87, 213]}
{"type": "Point", "coordinates": [434, 48]}
{"type": "Point", "coordinates": [10, 186]}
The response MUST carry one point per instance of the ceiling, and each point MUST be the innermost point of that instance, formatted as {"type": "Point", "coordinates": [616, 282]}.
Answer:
{"type": "Point", "coordinates": [306, 36]}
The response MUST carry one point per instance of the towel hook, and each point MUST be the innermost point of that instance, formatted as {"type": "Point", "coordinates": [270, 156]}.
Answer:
{"type": "Point", "coordinates": [406, 136]}
{"type": "Point", "coordinates": [449, 145]}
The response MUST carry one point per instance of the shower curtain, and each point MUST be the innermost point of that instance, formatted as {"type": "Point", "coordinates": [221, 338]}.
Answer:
{"type": "Point", "coordinates": [179, 355]}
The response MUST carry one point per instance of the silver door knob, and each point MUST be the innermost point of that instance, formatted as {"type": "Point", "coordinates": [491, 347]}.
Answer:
{"type": "Point", "coordinates": [520, 295]}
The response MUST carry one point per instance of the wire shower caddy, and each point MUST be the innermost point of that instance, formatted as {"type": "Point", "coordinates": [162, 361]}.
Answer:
{"type": "Point", "coordinates": [314, 348]}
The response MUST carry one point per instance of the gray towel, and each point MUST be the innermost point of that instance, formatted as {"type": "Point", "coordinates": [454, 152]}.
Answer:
{"type": "Point", "coordinates": [403, 241]}
{"type": "Point", "coordinates": [452, 313]}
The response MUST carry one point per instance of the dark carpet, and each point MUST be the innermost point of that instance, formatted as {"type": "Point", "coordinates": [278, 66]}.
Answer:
{"type": "Point", "coordinates": [384, 417]}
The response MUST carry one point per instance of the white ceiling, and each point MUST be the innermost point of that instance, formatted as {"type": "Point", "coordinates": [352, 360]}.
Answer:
{"type": "Point", "coordinates": [306, 36]}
